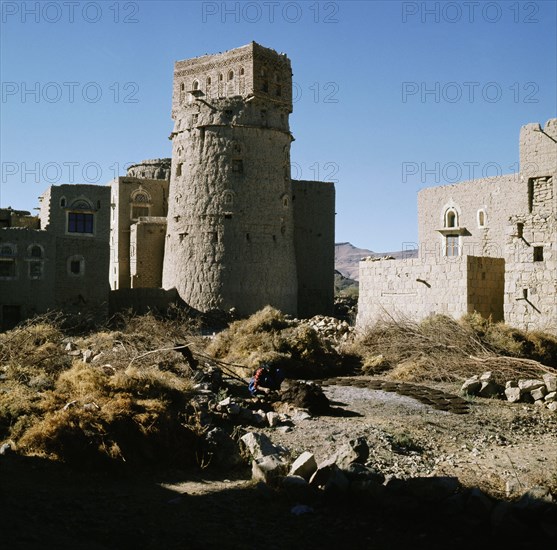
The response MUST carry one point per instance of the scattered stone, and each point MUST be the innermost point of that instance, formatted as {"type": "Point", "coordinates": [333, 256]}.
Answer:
{"type": "Point", "coordinates": [268, 468]}
{"type": "Point", "coordinates": [304, 466]}
{"type": "Point", "coordinates": [259, 445]}
{"type": "Point", "coordinates": [471, 386]}
{"type": "Point", "coordinates": [513, 394]}
{"type": "Point", "coordinates": [530, 385]}
{"type": "Point", "coordinates": [329, 477]}
{"type": "Point", "coordinates": [550, 381]}
{"type": "Point", "coordinates": [539, 393]}
{"type": "Point", "coordinates": [87, 355]}
{"type": "Point", "coordinates": [5, 449]}
{"type": "Point", "coordinates": [356, 451]}
{"type": "Point", "coordinates": [273, 419]}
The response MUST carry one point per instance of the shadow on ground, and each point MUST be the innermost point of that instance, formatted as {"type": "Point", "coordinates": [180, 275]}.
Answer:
{"type": "Point", "coordinates": [47, 505]}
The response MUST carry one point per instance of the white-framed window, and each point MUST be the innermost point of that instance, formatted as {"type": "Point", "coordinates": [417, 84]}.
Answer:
{"type": "Point", "coordinates": [452, 246]}
{"type": "Point", "coordinates": [451, 217]}
{"type": "Point", "coordinates": [482, 218]}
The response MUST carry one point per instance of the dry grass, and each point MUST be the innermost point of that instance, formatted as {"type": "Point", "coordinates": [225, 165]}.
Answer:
{"type": "Point", "coordinates": [130, 404]}
{"type": "Point", "coordinates": [270, 336]}
{"type": "Point", "coordinates": [442, 349]}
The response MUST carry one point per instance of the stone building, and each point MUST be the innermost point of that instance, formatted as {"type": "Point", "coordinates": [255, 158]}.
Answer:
{"type": "Point", "coordinates": [487, 245]}
{"type": "Point", "coordinates": [232, 237]}
{"type": "Point", "coordinates": [221, 224]}
{"type": "Point", "coordinates": [139, 205]}
{"type": "Point", "coordinates": [59, 259]}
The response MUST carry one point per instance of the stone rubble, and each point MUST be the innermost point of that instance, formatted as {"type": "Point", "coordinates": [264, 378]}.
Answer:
{"type": "Point", "coordinates": [541, 392]}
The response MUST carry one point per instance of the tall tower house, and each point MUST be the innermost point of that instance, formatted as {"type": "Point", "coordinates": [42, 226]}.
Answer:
{"type": "Point", "coordinates": [230, 236]}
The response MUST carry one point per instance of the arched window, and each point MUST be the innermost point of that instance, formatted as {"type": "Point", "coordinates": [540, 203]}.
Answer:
{"type": "Point", "coordinates": [228, 198]}
{"type": "Point", "coordinates": [451, 218]}
{"type": "Point", "coordinates": [230, 75]}
{"type": "Point", "coordinates": [195, 85]}
{"type": "Point", "coordinates": [62, 202]}
{"type": "Point", "coordinates": [141, 203]}
{"type": "Point", "coordinates": [35, 251]}
{"type": "Point", "coordinates": [80, 217]}
{"type": "Point", "coordinates": [242, 71]}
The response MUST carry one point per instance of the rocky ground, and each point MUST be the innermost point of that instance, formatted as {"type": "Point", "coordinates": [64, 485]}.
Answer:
{"type": "Point", "coordinates": [442, 480]}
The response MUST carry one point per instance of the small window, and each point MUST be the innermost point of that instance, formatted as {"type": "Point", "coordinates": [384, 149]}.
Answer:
{"type": "Point", "coordinates": [481, 218]}
{"type": "Point", "coordinates": [538, 253]}
{"type": "Point", "coordinates": [76, 266]}
{"type": "Point", "coordinates": [242, 71]}
{"type": "Point", "coordinates": [194, 118]}
{"type": "Point", "coordinates": [230, 75]}
{"type": "Point", "coordinates": [520, 230]}
{"type": "Point", "coordinates": [179, 169]}
{"type": "Point", "coordinates": [63, 202]}
{"type": "Point", "coordinates": [7, 250]}
{"type": "Point", "coordinates": [238, 166]}
{"type": "Point", "coordinates": [451, 246]}
{"type": "Point", "coordinates": [182, 87]}
{"type": "Point", "coordinates": [228, 199]}
{"type": "Point", "coordinates": [7, 268]}
{"type": "Point", "coordinates": [195, 85]}
{"type": "Point", "coordinates": [208, 81]}
{"type": "Point", "coordinates": [451, 219]}
{"type": "Point", "coordinates": [221, 78]}
{"type": "Point", "coordinates": [35, 270]}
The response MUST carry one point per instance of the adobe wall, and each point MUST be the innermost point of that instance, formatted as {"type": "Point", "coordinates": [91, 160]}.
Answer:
{"type": "Point", "coordinates": [314, 233]}
{"type": "Point", "coordinates": [147, 252]}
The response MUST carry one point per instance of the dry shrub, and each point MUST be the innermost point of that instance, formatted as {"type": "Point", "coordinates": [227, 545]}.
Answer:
{"type": "Point", "coordinates": [129, 405]}
{"type": "Point", "coordinates": [269, 336]}
{"type": "Point", "coordinates": [442, 349]}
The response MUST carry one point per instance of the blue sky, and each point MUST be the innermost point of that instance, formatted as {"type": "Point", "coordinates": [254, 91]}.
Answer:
{"type": "Point", "coordinates": [390, 96]}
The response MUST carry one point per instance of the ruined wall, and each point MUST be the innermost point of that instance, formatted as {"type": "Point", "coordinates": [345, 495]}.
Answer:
{"type": "Point", "coordinates": [230, 238]}
{"type": "Point", "coordinates": [314, 229]}
{"type": "Point", "coordinates": [538, 149]}
{"type": "Point", "coordinates": [132, 198]}
{"type": "Point", "coordinates": [147, 252]}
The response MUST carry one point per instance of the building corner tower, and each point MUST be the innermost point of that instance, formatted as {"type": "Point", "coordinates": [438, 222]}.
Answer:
{"type": "Point", "coordinates": [230, 236]}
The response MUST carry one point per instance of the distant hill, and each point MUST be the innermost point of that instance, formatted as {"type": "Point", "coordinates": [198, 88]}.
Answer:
{"type": "Point", "coordinates": [347, 257]}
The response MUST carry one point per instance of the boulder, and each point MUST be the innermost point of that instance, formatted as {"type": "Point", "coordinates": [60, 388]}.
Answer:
{"type": "Point", "coordinates": [527, 385]}
{"type": "Point", "coordinates": [268, 468]}
{"type": "Point", "coordinates": [471, 386]}
{"type": "Point", "coordinates": [550, 381]}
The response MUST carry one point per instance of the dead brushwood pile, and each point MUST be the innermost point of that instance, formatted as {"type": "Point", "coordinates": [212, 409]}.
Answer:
{"type": "Point", "coordinates": [105, 397]}
{"type": "Point", "coordinates": [442, 349]}
{"type": "Point", "coordinates": [268, 336]}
